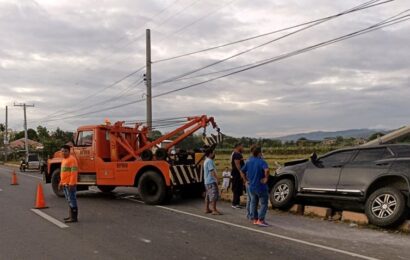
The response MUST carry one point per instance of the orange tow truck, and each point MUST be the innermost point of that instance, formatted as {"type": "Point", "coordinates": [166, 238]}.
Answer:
{"type": "Point", "coordinates": [113, 155]}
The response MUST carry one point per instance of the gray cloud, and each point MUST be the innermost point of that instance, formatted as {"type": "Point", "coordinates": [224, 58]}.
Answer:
{"type": "Point", "coordinates": [55, 53]}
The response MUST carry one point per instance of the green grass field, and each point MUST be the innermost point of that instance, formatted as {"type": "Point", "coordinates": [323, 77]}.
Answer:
{"type": "Point", "coordinates": [222, 160]}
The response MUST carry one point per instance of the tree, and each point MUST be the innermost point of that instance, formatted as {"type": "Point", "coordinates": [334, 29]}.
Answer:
{"type": "Point", "coordinates": [155, 134]}
{"type": "Point", "coordinates": [42, 133]}
{"type": "Point", "coordinates": [375, 136]}
{"type": "Point", "coordinates": [2, 128]}
{"type": "Point", "coordinates": [32, 134]}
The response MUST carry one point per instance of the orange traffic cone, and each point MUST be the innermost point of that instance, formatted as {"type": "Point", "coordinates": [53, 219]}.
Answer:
{"type": "Point", "coordinates": [40, 202]}
{"type": "Point", "coordinates": [14, 178]}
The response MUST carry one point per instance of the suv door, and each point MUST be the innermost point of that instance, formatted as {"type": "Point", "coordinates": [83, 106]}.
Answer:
{"type": "Point", "coordinates": [323, 175]}
{"type": "Point", "coordinates": [363, 169]}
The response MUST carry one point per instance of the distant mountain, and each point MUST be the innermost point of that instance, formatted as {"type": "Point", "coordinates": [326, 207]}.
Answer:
{"type": "Point", "coordinates": [320, 135]}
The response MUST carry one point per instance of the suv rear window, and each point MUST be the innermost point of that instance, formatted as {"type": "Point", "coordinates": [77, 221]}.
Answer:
{"type": "Point", "coordinates": [372, 155]}
{"type": "Point", "coordinates": [402, 151]}
{"type": "Point", "coordinates": [33, 157]}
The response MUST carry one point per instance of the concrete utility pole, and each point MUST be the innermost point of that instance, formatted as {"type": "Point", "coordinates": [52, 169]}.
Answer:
{"type": "Point", "coordinates": [25, 125]}
{"type": "Point", "coordinates": [6, 139]}
{"type": "Point", "coordinates": [148, 79]}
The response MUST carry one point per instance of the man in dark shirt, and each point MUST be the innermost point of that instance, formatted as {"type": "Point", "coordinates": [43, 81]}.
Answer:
{"type": "Point", "coordinates": [237, 183]}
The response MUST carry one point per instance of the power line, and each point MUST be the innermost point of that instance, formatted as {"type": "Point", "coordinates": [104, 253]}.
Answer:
{"type": "Point", "coordinates": [288, 55]}
{"type": "Point", "coordinates": [357, 8]}
{"type": "Point", "coordinates": [122, 94]}
{"type": "Point", "coordinates": [162, 22]}
{"type": "Point", "coordinates": [58, 112]}
{"type": "Point", "coordinates": [252, 37]}
{"type": "Point", "coordinates": [377, 26]}
{"type": "Point", "coordinates": [197, 20]}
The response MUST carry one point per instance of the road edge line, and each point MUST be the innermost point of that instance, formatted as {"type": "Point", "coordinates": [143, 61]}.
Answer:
{"type": "Point", "coordinates": [50, 218]}
{"type": "Point", "coordinates": [273, 234]}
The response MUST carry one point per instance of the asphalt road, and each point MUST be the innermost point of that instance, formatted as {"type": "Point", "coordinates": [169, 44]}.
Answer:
{"type": "Point", "coordinates": [119, 226]}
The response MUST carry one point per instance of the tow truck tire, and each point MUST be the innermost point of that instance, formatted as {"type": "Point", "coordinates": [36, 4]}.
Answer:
{"type": "Point", "coordinates": [55, 180]}
{"type": "Point", "coordinates": [106, 188]}
{"type": "Point", "coordinates": [152, 188]}
{"type": "Point", "coordinates": [146, 155]}
{"type": "Point", "coordinates": [161, 154]}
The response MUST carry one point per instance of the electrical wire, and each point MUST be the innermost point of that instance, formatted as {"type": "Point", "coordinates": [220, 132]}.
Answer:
{"type": "Point", "coordinates": [357, 8]}
{"type": "Point", "coordinates": [250, 38]}
{"type": "Point", "coordinates": [58, 112]}
{"type": "Point", "coordinates": [197, 20]}
{"type": "Point", "coordinates": [385, 23]}
{"type": "Point", "coordinates": [291, 54]}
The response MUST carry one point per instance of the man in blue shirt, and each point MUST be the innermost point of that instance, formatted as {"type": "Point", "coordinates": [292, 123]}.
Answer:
{"type": "Point", "coordinates": [211, 183]}
{"type": "Point", "coordinates": [256, 174]}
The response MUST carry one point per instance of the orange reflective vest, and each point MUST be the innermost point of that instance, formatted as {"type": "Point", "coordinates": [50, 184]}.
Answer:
{"type": "Point", "coordinates": [69, 171]}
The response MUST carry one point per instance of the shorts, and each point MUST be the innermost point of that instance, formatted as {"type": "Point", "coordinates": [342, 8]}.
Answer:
{"type": "Point", "coordinates": [212, 193]}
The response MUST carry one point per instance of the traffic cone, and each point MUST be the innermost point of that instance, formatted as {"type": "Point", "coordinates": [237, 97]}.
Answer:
{"type": "Point", "coordinates": [14, 178]}
{"type": "Point", "coordinates": [40, 202]}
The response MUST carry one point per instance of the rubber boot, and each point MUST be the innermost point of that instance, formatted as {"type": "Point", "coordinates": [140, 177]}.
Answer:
{"type": "Point", "coordinates": [70, 215]}
{"type": "Point", "coordinates": [74, 215]}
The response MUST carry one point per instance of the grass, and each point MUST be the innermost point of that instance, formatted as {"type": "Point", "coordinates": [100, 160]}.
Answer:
{"type": "Point", "coordinates": [222, 160]}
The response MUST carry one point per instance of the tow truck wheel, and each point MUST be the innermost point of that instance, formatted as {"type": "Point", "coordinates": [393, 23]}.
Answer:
{"type": "Point", "coordinates": [106, 188]}
{"type": "Point", "coordinates": [152, 188]}
{"type": "Point", "coordinates": [55, 180]}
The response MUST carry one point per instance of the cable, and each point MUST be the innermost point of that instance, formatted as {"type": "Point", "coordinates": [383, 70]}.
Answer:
{"type": "Point", "coordinates": [383, 24]}
{"type": "Point", "coordinates": [98, 92]}
{"type": "Point", "coordinates": [197, 20]}
{"type": "Point", "coordinates": [121, 94]}
{"type": "Point", "coordinates": [250, 38]}
{"type": "Point", "coordinates": [357, 8]}
{"type": "Point", "coordinates": [281, 57]}
{"type": "Point", "coordinates": [162, 22]}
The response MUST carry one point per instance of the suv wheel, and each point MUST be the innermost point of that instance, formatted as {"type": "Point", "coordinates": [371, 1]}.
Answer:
{"type": "Point", "coordinates": [282, 194]}
{"type": "Point", "coordinates": [386, 207]}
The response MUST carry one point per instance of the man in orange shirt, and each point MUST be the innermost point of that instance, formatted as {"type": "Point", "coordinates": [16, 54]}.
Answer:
{"type": "Point", "coordinates": [68, 181]}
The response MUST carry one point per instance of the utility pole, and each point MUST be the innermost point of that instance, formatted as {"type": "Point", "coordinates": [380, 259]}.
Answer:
{"type": "Point", "coordinates": [6, 139]}
{"type": "Point", "coordinates": [25, 125]}
{"type": "Point", "coordinates": [148, 79]}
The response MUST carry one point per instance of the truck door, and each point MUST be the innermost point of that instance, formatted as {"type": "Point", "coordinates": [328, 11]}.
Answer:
{"type": "Point", "coordinates": [84, 150]}
{"type": "Point", "coordinates": [323, 175]}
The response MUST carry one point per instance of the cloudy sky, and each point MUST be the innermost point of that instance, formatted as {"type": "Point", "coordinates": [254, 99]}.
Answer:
{"type": "Point", "coordinates": [64, 56]}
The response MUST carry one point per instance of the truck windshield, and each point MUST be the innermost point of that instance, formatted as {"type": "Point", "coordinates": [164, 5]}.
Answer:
{"type": "Point", "coordinates": [85, 138]}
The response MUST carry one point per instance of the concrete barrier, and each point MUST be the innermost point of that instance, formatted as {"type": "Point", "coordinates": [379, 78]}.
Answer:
{"type": "Point", "coordinates": [405, 227]}
{"type": "Point", "coordinates": [318, 211]}
{"type": "Point", "coordinates": [358, 218]}
{"type": "Point", "coordinates": [297, 209]}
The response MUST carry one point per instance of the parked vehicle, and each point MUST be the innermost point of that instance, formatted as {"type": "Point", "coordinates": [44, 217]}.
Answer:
{"type": "Point", "coordinates": [375, 178]}
{"type": "Point", "coordinates": [33, 163]}
{"type": "Point", "coordinates": [116, 155]}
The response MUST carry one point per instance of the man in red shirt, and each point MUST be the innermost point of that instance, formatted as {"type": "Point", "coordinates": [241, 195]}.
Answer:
{"type": "Point", "coordinates": [68, 181]}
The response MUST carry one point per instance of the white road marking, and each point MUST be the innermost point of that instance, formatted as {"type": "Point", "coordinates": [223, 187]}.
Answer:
{"type": "Point", "coordinates": [340, 251]}
{"type": "Point", "coordinates": [32, 176]}
{"type": "Point", "coordinates": [273, 234]}
{"type": "Point", "coordinates": [1, 190]}
{"type": "Point", "coordinates": [49, 218]}
{"type": "Point", "coordinates": [145, 240]}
